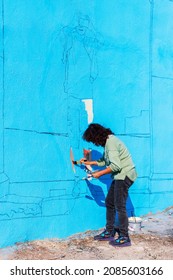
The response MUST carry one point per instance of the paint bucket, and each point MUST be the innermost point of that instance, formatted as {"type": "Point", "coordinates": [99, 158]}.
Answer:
{"type": "Point", "coordinates": [135, 223]}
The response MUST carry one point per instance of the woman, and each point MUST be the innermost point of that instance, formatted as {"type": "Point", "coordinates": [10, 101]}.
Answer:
{"type": "Point", "coordinates": [118, 162]}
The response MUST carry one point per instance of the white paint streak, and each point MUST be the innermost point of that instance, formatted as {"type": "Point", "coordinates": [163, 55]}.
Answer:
{"type": "Point", "coordinates": [89, 108]}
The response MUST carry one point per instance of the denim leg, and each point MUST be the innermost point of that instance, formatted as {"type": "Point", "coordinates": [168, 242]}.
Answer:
{"type": "Point", "coordinates": [110, 208]}
{"type": "Point", "coordinates": [121, 193]}
{"type": "Point", "coordinates": [116, 202]}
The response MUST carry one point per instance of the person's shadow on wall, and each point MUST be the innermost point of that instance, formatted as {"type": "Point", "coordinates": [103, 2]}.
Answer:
{"type": "Point", "coordinates": [96, 191]}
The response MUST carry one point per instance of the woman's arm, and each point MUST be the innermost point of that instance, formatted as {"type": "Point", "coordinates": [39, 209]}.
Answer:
{"type": "Point", "coordinates": [86, 162]}
{"type": "Point", "coordinates": [100, 173]}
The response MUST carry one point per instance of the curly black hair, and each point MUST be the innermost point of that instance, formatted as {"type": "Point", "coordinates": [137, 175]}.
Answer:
{"type": "Point", "coordinates": [97, 134]}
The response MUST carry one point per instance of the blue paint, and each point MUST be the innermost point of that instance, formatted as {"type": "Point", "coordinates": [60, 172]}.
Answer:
{"type": "Point", "coordinates": [54, 54]}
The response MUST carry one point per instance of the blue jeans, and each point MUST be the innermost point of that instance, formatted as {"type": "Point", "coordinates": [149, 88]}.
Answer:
{"type": "Point", "coordinates": [116, 203]}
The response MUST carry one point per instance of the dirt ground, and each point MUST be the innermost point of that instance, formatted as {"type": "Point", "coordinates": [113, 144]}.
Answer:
{"type": "Point", "coordinates": [154, 241]}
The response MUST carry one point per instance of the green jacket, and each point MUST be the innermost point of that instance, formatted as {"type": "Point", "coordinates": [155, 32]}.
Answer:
{"type": "Point", "coordinates": [117, 157]}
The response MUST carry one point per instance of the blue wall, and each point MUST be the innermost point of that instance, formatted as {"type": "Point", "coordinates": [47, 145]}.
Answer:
{"type": "Point", "coordinates": [54, 54]}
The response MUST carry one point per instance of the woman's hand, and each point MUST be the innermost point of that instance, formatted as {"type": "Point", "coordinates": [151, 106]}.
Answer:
{"type": "Point", "coordinates": [96, 175]}
{"type": "Point", "coordinates": [83, 160]}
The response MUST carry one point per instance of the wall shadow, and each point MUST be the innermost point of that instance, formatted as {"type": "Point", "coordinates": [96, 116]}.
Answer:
{"type": "Point", "coordinates": [96, 191]}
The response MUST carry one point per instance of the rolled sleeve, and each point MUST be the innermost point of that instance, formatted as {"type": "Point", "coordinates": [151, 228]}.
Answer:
{"type": "Point", "coordinates": [101, 162]}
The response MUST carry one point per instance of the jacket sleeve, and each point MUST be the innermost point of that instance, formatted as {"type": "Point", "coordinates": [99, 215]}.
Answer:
{"type": "Point", "coordinates": [101, 161]}
{"type": "Point", "coordinates": [115, 164]}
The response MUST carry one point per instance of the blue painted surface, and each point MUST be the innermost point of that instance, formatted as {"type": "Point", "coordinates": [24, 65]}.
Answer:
{"type": "Point", "coordinates": [54, 54]}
